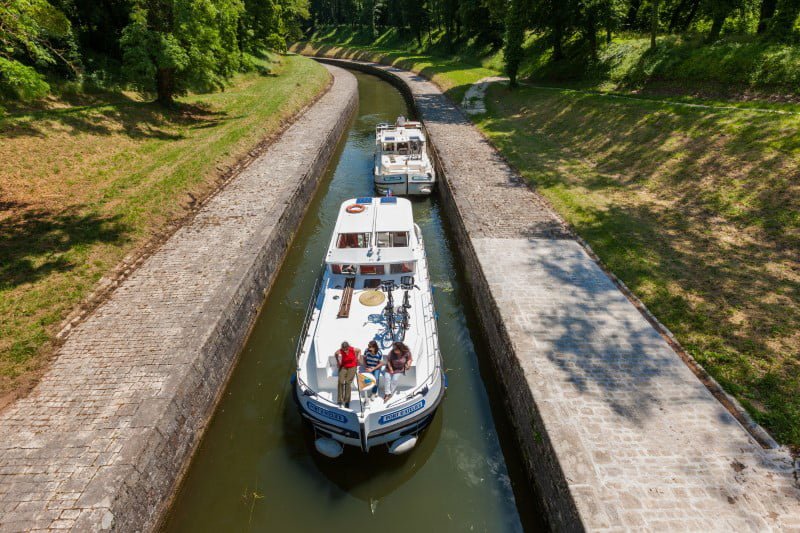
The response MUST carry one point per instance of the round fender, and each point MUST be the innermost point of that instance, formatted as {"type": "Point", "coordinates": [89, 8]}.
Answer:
{"type": "Point", "coordinates": [328, 447]}
{"type": "Point", "coordinates": [403, 445]}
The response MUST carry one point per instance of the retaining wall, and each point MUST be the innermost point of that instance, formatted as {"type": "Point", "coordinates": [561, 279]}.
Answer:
{"type": "Point", "coordinates": [615, 430]}
{"type": "Point", "coordinates": [104, 438]}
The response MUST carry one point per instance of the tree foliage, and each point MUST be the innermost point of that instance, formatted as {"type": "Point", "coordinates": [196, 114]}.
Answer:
{"type": "Point", "coordinates": [165, 47]}
{"type": "Point", "coordinates": [33, 35]}
{"type": "Point", "coordinates": [571, 26]}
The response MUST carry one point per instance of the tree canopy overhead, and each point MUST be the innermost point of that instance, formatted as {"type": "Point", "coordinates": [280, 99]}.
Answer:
{"type": "Point", "coordinates": [581, 24]}
{"type": "Point", "coordinates": [165, 47]}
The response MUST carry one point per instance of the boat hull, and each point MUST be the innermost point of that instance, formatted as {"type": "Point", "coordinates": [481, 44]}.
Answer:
{"type": "Point", "coordinates": [402, 187]}
{"type": "Point", "coordinates": [409, 417]}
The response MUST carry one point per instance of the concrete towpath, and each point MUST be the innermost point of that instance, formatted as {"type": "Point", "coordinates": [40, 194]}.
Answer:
{"type": "Point", "coordinates": [616, 430]}
{"type": "Point", "coordinates": [102, 439]}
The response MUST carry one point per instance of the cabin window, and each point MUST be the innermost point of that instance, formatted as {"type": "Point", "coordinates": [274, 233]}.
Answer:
{"type": "Point", "coordinates": [348, 270]}
{"type": "Point", "coordinates": [392, 239]}
{"type": "Point", "coordinates": [402, 148]}
{"type": "Point", "coordinates": [388, 148]}
{"type": "Point", "coordinates": [402, 268]}
{"type": "Point", "coordinates": [372, 283]}
{"type": "Point", "coordinates": [372, 270]}
{"type": "Point", "coordinates": [353, 240]}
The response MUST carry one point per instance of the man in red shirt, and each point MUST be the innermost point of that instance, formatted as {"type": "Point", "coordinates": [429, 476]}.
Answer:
{"type": "Point", "coordinates": [347, 357]}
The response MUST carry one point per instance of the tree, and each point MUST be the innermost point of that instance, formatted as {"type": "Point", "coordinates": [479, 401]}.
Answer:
{"type": "Point", "coordinates": [719, 11]}
{"type": "Point", "coordinates": [765, 13]}
{"type": "Point", "coordinates": [781, 26]}
{"type": "Point", "coordinates": [29, 31]}
{"type": "Point", "coordinates": [171, 46]}
{"type": "Point", "coordinates": [515, 35]}
{"type": "Point", "coordinates": [654, 23]}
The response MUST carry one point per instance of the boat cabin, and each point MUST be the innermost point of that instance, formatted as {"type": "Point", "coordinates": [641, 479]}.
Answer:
{"type": "Point", "coordinates": [374, 240]}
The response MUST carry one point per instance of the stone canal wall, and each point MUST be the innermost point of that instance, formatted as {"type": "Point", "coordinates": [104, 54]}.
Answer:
{"type": "Point", "coordinates": [616, 431]}
{"type": "Point", "coordinates": [103, 439]}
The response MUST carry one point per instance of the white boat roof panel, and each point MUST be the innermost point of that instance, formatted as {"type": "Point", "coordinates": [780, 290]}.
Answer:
{"type": "Point", "coordinates": [379, 214]}
{"type": "Point", "coordinates": [402, 135]}
{"type": "Point", "coordinates": [394, 214]}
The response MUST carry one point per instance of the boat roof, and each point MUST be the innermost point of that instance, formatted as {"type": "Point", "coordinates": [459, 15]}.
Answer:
{"type": "Point", "coordinates": [401, 134]}
{"type": "Point", "coordinates": [388, 213]}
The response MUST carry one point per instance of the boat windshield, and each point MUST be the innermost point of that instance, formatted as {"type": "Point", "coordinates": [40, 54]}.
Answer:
{"type": "Point", "coordinates": [352, 240]}
{"type": "Point", "coordinates": [402, 268]}
{"type": "Point", "coordinates": [392, 239]}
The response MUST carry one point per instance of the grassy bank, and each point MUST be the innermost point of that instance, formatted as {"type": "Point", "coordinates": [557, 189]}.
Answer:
{"type": "Point", "coordinates": [734, 67]}
{"type": "Point", "coordinates": [87, 180]}
{"type": "Point", "coordinates": [696, 209]}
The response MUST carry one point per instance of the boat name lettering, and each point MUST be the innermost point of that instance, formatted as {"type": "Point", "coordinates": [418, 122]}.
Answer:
{"type": "Point", "coordinates": [390, 417]}
{"type": "Point", "coordinates": [333, 415]}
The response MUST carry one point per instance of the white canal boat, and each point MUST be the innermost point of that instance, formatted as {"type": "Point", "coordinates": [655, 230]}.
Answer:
{"type": "Point", "coordinates": [375, 286]}
{"type": "Point", "coordinates": [402, 163]}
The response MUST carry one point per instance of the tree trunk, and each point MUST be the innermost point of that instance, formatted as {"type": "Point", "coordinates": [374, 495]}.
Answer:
{"type": "Point", "coordinates": [782, 23]}
{"type": "Point", "coordinates": [591, 26]}
{"type": "Point", "coordinates": [165, 86]}
{"type": "Point", "coordinates": [633, 13]}
{"type": "Point", "coordinates": [716, 27]}
{"type": "Point", "coordinates": [765, 14]}
{"type": "Point", "coordinates": [677, 14]}
{"type": "Point", "coordinates": [608, 35]}
{"type": "Point", "coordinates": [654, 24]}
{"type": "Point", "coordinates": [558, 36]}
{"type": "Point", "coordinates": [687, 21]}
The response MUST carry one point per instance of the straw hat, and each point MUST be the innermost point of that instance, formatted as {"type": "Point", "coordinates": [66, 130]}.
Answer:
{"type": "Point", "coordinates": [371, 298]}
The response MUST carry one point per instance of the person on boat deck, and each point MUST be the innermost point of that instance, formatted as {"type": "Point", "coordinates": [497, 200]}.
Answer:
{"type": "Point", "coordinates": [347, 358]}
{"type": "Point", "coordinates": [398, 361]}
{"type": "Point", "coordinates": [373, 362]}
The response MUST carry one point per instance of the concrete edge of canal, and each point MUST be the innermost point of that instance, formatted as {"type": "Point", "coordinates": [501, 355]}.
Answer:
{"type": "Point", "coordinates": [103, 440]}
{"type": "Point", "coordinates": [615, 430]}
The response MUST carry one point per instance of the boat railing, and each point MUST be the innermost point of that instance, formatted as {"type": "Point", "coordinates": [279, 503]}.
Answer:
{"type": "Point", "coordinates": [304, 335]}
{"type": "Point", "coordinates": [431, 342]}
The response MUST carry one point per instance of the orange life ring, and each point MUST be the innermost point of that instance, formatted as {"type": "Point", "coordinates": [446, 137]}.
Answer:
{"type": "Point", "coordinates": [355, 208]}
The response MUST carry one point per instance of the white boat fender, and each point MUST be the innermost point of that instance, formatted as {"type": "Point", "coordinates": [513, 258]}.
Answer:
{"type": "Point", "coordinates": [403, 445]}
{"type": "Point", "coordinates": [328, 447]}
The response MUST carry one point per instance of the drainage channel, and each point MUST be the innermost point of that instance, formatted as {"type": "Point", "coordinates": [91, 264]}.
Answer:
{"type": "Point", "coordinates": [256, 467]}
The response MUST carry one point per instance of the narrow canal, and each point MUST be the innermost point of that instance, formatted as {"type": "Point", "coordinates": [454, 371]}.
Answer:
{"type": "Point", "coordinates": [256, 468]}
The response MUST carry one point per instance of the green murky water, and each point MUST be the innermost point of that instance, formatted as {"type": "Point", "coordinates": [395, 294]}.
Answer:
{"type": "Point", "coordinates": [256, 469]}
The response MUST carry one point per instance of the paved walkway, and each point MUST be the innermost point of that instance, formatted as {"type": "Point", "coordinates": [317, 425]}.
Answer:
{"type": "Point", "coordinates": [474, 102]}
{"type": "Point", "coordinates": [101, 439]}
{"type": "Point", "coordinates": [642, 444]}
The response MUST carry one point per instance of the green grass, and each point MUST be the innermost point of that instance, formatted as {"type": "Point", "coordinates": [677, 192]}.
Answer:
{"type": "Point", "coordinates": [453, 73]}
{"type": "Point", "coordinates": [90, 179]}
{"type": "Point", "coordinates": [736, 67]}
{"type": "Point", "coordinates": [696, 209]}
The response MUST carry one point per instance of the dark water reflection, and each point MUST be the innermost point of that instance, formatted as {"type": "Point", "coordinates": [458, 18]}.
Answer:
{"type": "Point", "coordinates": [256, 468]}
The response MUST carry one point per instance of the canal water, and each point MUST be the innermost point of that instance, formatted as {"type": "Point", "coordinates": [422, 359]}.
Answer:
{"type": "Point", "coordinates": [256, 468]}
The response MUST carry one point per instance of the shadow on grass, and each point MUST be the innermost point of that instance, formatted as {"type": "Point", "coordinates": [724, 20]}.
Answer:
{"type": "Point", "coordinates": [107, 114]}
{"type": "Point", "coordinates": [696, 211]}
{"type": "Point", "coordinates": [36, 243]}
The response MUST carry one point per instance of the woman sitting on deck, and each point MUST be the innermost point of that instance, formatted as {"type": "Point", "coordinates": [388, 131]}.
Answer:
{"type": "Point", "coordinates": [373, 362]}
{"type": "Point", "coordinates": [397, 363]}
